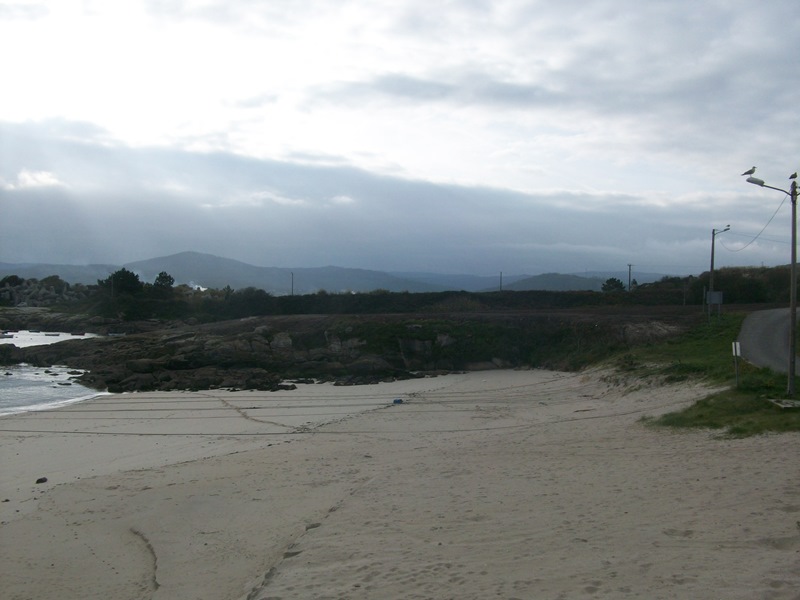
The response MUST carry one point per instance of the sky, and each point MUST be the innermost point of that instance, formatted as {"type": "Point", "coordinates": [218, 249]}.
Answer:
{"type": "Point", "coordinates": [515, 136]}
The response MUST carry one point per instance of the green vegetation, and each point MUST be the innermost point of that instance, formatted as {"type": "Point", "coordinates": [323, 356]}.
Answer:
{"type": "Point", "coordinates": [737, 413]}
{"type": "Point", "coordinates": [123, 295]}
{"type": "Point", "coordinates": [454, 343]}
{"type": "Point", "coordinates": [613, 285]}
{"type": "Point", "coordinates": [705, 352]}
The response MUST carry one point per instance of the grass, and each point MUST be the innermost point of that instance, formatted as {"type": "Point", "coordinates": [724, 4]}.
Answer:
{"type": "Point", "coordinates": [705, 353]}
{"type": "Point", "coordinates": [735, 413]}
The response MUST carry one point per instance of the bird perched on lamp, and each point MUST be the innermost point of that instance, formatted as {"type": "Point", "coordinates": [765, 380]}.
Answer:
{"type": "Point", "coordinates": [793, 175]}
{"type": "Point", "coordinates": [749, 171]}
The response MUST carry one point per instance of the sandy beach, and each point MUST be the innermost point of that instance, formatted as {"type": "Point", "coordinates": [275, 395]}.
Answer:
{"type": "Point", "coordinates": [496, 484]}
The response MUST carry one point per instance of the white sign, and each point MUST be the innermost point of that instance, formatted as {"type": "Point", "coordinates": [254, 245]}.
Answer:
{"type": "Point", "coordinates": [737, 349]}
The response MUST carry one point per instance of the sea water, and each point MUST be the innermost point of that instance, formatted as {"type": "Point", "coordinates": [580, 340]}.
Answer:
{"type": "Point", "coordinates": [25, 388]}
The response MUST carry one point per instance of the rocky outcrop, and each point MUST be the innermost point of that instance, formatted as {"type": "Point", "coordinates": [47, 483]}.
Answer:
{"type": "Point", "coordinates": [264, 352]}
{"type": "Point", "coordinates": [237, 355]}
{"type": "Point", "coordinates": [42, 318]}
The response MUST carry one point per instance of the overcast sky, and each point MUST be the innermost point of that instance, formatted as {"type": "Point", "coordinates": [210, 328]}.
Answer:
{"type": "Point", "coordinates": [456, 136]}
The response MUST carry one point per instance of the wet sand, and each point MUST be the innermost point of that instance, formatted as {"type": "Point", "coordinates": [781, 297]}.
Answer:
{"type": "Point", "coordinates": [498, 484]}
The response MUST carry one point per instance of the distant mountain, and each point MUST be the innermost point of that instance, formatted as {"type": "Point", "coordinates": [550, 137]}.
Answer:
{"type": "Point", "coordinates": [557, 282]}
{"type": "Point", "coordinates": [467, 283]}
{"type": "Point", "coordinates": [592, 281]}
{"type": "Point", "coordinates": [623, 276]}
{"type": "Point", "coordinates": [207, 270]}
{"type": "Point", "coordinates": [211, 271]}
{"type": "Point", "coordinates": [85, 274]}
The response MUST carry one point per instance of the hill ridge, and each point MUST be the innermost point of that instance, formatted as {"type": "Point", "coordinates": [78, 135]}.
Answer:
{"type": "Point", "coordinates": [211, 271]}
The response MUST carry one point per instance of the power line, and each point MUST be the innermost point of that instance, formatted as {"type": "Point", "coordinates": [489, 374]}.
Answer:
{"type": "Point", "coordinates": [758, 235]}
{"type": "Point", "coordinates": [750, 236]}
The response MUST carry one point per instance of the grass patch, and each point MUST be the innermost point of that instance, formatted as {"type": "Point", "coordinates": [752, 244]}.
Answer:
{"type": "Point", "coordinates": [705, 353]}
{"type": "Point", "coordinates": [736, 413]}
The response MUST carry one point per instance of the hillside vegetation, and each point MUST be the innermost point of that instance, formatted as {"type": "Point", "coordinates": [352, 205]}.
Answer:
{"type": "Point", "coordinates": [123, 295]}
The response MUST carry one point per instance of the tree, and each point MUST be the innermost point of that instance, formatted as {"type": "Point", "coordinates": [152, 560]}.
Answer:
{"type": "Point", "coordinates": [122, 282]}
{"type": "Point", "coordinates": [613, 285]}
{"type": "Point", "coordinates": [164, 281]}
{"type": "Point", "coordinates": [248, 302]}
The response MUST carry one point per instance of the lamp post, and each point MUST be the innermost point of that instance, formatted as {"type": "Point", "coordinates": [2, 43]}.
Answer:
{"type": "Point", "coordinates": [714, 233]}
{"type": "Point", "coordinates": [792, 277]}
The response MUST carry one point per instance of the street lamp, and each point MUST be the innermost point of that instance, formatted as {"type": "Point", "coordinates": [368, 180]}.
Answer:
{"type": "Point", "coordinates": [792, 277]}
{"type": "Point", "coordinates": [714, 233]}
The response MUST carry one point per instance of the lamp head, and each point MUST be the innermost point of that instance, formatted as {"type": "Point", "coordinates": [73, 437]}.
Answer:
{"type": "Point", "coordinates": [755, 181]}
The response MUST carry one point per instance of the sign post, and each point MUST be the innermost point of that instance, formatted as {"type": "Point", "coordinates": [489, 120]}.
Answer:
{"type": "Point", "coordinates": [737, 352]}
{"type": "Point", "coordinates": [714, 298]}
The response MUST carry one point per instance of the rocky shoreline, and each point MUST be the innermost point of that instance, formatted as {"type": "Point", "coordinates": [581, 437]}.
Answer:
{"type": "Point", "coordinates": [267, 353]}
{"type": "Point", "coordinates": [248, 354]}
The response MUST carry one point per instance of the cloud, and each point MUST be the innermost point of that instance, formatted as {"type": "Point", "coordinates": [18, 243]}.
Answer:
{"type": "Point", "coordinates": [17, 10]}
{"type": "Point", "coordinates": [275, 213]}
{"type": "Point", "coordinates": [277, 198]}
{"type": "Point", "coordinates": [526, 134]}
{"type": "Point", "coordinates": [259, 101]}
{"type": "Point", "coordinates": [470, 89]}
{"type": "Point", "coordinates": [32, 179]}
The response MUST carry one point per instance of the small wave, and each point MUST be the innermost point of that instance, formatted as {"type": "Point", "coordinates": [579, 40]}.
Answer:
{"type": "Point", "coordinates": [5, 412]}
{"type": "Point", "coordinates": [24, 388]}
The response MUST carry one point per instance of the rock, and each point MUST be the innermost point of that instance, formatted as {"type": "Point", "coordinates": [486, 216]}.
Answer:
{"type": "Point", "coordinates": [485, 365]}
{"type": "Point", "coordinates": [262, 352]}
{"type": "Point", "coordinates": [281, 341]}
{"type": "Point", "coordinates": [144, 365]}
{"type": "Point", "coordinates": [41, 480]}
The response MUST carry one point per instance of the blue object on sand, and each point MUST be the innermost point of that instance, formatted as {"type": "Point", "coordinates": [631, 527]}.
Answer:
{"type": "Point", "coordinates": [398, 401]}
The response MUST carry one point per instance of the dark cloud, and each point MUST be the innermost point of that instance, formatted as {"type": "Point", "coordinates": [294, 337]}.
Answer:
{"type": "Point", "coordinates": [118, 204]}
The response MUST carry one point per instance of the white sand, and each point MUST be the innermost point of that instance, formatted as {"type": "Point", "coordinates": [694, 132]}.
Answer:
{"type": "Point", "coordinates": [507, 484]}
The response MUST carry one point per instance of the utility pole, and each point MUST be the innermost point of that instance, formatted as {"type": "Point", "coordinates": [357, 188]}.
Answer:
{"type": "Point", "coordinates": [714, 233]}
{"type": "Point", "coordinates": [629, 276]}
{"type": "Point", "coordinates": [709, 297]}
{"type": "Point", "coordinates": [793, 295]}
{"type": "Point", "coordinates": [792, 193]}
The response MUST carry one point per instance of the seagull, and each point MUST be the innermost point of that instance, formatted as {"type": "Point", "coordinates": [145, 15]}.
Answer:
{"type": "Point", "coordinates": [793, 175]}
{"type": "Point", "coordinates": [749, 171]}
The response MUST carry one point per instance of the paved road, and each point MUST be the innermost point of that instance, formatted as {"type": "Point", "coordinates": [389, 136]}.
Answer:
{"type": "Point", "coordinates": [764, 339]}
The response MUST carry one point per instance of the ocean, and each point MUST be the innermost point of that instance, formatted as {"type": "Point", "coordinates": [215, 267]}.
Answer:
{"type": "Point", "coordinates": [26, 388]}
